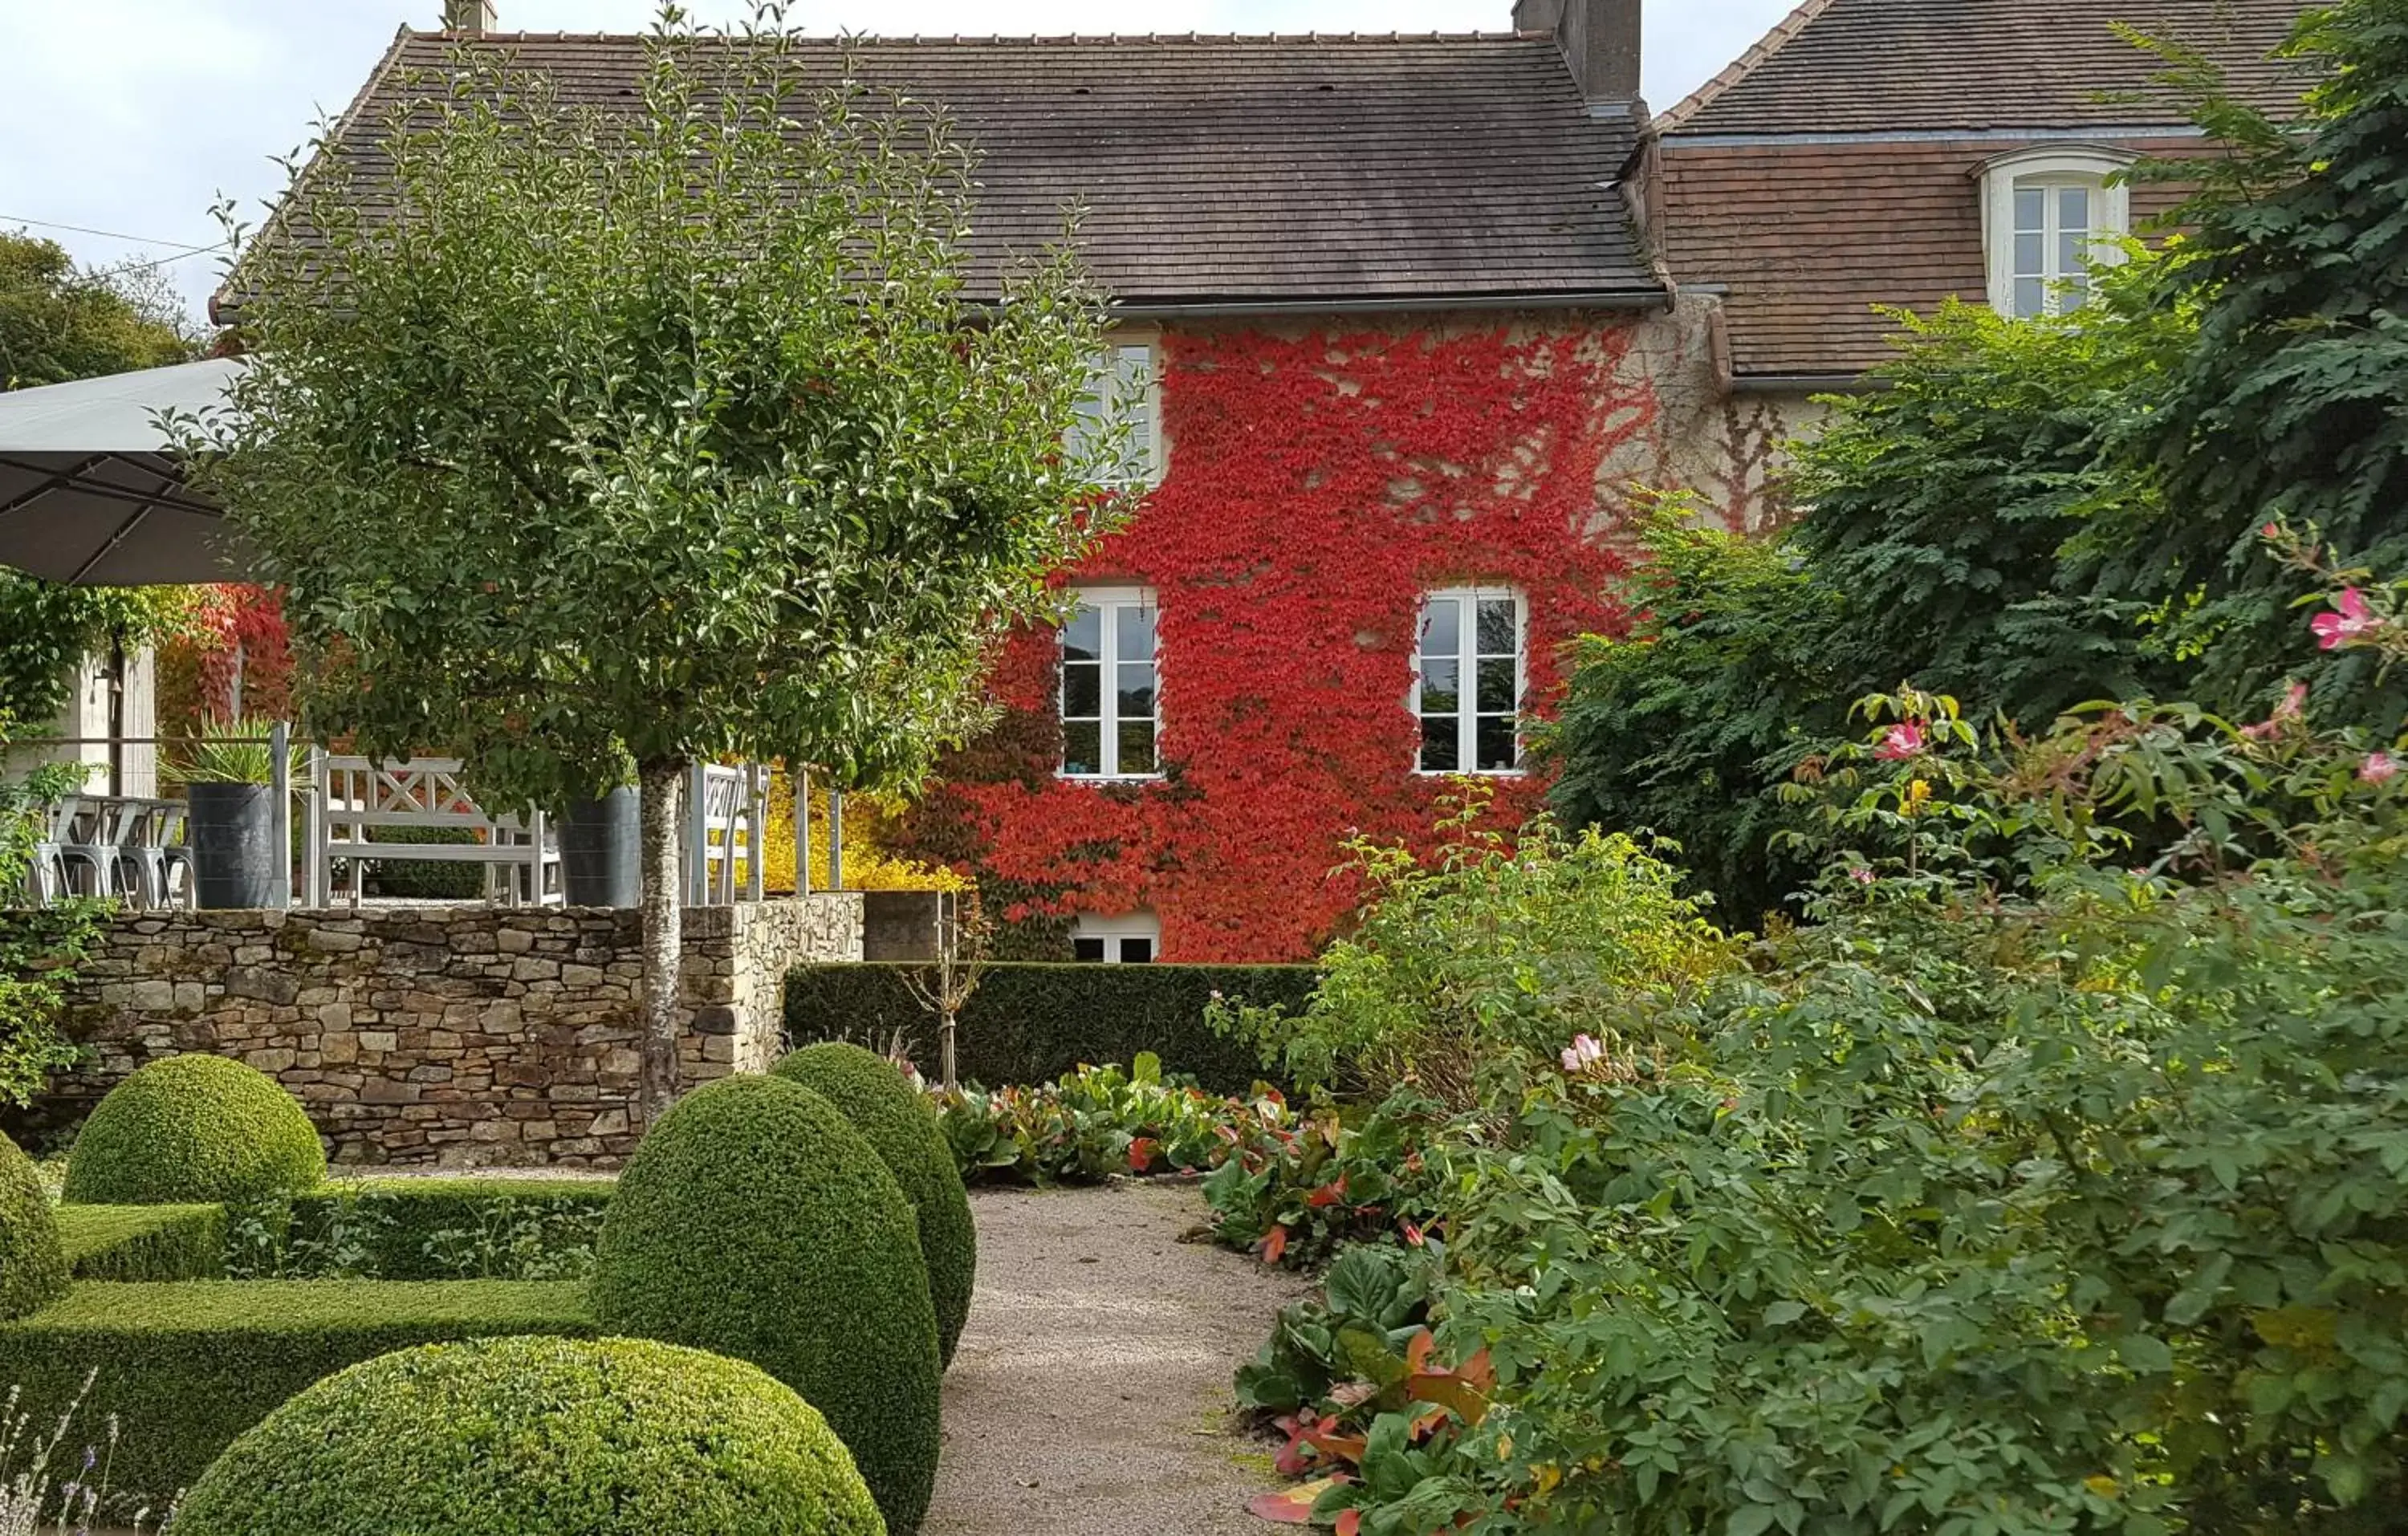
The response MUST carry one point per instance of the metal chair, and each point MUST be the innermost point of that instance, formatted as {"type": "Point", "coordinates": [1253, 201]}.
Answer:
{"type": "Point", "coordinates": [156, 856]}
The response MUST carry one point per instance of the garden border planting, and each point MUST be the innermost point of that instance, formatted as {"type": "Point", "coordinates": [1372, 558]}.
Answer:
{"type": "Point", "coordinates": [144, 1242]}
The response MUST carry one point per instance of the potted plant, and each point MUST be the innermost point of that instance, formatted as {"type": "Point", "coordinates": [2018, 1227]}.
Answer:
{"type": "Point", "coordinates": [601, 850]}
{"type": "Point", "coordinates": [229, 781]}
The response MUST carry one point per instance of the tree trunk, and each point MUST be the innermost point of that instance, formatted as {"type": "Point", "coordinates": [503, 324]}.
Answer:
{"type": "Point", "coordinates": [663, 909]}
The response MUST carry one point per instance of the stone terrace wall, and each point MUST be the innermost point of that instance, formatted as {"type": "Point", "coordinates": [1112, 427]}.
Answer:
{"type": "Point", "coordinates": [458, 1036]}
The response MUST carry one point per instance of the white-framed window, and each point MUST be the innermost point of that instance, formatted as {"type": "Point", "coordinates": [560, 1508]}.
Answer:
{"type": "Point", "coordinates": [1123, 395]}
{"type": "Point", "coordinates": [1468, 679]}
{"type": "Point", "coordinates": [2047, 214]}
{"type": "Point", "coordinates": [1110, 688]}
{"type": "Point", "coordinates": [1132, 939]}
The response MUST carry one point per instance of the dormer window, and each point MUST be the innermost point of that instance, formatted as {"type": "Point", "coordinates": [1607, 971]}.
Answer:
{"type": "Point", "coordinates": [2046, 216]}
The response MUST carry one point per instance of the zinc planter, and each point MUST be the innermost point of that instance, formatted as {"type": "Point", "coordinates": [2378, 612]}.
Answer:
{"type": "Point", "coordinates": [601, 850]}
{"type": "Point", "coordinates": [235, 862]}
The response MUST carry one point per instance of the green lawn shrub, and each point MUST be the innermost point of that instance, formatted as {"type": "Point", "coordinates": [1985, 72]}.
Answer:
{"type": "Point", "coordinates": [899, 1122]}
{"type": "Point", "coordinates": [33, 1261]}
{"type": "Point", "coordinates": [498, 1437]}
{"type": "Point", "coordinates": [185, 1368]}
{"type": "Point", "coordinates": [754, 1221]}
{"type": "Point", "coordinates": [193, 1128]}
{"type": "Point", "coordinates": [415, 1229]}
{"type": "Point", "coordinates": [144, 1241]}
{"type": "Point", "coordinates": [1030, 1023]}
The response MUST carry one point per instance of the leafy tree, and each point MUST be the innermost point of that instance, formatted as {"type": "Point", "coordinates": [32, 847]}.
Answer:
{"type": "Point", "coordinates": [643, 436]}
{"type": "Point", "coordinates": [2289, 404]}
{"type": "Point", "coordinates": [60, 321]}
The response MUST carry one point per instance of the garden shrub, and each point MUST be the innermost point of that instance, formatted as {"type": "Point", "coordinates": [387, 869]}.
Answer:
{"type": "Point", "coordinates": [897, 1120]}
{"type": "Point", "coordinates": [416, 1228]}
{"type": "Point", "coordinates": [185, 1368]}
{"type": "Point", "coordinates": [33, 1262]}
{"type": "Point", "coordinates": [193, 1128]}
{"type": "Point", "coordinates": [1100, 1121]}
{"type": "Point", "coordinates": [414, 880]}
{"type": "Point", "coordinates": [754, 1221]}
{"type": "Point", "coordinates": [1030, 1022]}
{"type": "Point", "coordinates": [496, 1437]}
{"type": "Point", "coordinates": [144, 1241]}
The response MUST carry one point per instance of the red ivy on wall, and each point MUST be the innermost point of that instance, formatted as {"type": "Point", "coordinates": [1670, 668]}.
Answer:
{"type": "Point", "coordinates": [1318, 485]}
{"type": "Point", "coordinates": [237, 659]}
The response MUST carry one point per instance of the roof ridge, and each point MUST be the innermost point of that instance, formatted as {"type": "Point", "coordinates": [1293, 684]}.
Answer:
{"type": "Point", "coordinates": [1772, 42]}
{"type": "Point", "coordinates": [1024, 38]}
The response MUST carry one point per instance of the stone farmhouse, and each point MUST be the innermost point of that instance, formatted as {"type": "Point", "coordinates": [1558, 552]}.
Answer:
{"type": "Point", "coordinates": [1411, 327]}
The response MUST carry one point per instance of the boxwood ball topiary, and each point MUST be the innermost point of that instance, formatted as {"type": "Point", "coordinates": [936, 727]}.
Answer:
{"type": "Point", "coordinates": [33, 1265]}
{"type": "Point", "coordinates": [901, 1124]}
{"type": "Point", "coordinates": [497, 1436]}
{"type": "Point", "coordinates": [194, 1129]}
{"type": "Point", "coordinates": [754, 1221]}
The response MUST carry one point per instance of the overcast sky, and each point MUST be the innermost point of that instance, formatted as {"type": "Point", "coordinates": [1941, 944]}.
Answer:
{"type": "Point", "coordinates": [133, 116]}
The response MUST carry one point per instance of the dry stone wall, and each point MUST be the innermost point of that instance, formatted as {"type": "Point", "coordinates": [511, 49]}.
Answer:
{"type": "Point", "coordinates": [453, 1036]}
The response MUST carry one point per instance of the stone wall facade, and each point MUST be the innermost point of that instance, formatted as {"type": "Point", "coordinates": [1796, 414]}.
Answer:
{"type": "Point", "coordinates": [453, 1036]}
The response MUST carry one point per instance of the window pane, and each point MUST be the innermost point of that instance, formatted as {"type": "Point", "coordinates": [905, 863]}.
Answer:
{"type": "Point", "coordinates": [1083, 747]}
{"type": "Point", "coordinates": [2076, 294]}
{"type": "Point", "coordinates": [1441, 750]}
{"type": "Point", "coordinates": [1082, 637]}
{"type": "Point", "coordinates": [1498, 636]}
{"type": "Point", "coordinates": [2028, 251]}
{"type": "Point", "coordinates": [1136, 699]}
{"type": "Point", "coordinates": [1441, 687]}
{"type": "Point", "coordinates": [1136, 632]}
{"type": "Point", "coordinates": [1137, 952]}
{"type": "Point", "coordinates": [2031, 298]}
{"type": "Point", "coordinates": [2072, 250]}
{"type": "Point", "coordinates": [1441, 633]}
{"type": "Point", "coordinates": [1137, 747]}
{"type": "Point", "coordinates": [1081, 691]}
{"type": "Point", "coordinates": [1498, 692]}
{"type": "Point", "coordinates": [1495, 741]}
{"type": "Point", "coordinates": [1087, 949]}
{"type": "Point", "coordinates": [2074, 207]}
{"type": "Point", "coordinates": [2031, 208]}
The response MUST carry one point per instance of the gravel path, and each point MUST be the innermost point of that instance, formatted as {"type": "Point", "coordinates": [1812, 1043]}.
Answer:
{"type": "Point", "coordinates": [1090, 1396]}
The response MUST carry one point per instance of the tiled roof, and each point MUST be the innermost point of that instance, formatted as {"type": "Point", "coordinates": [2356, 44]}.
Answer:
{"type": "Point", "coordinates": [1924, 65]}
{"type": "Point", "coordinates": [1264, 170]}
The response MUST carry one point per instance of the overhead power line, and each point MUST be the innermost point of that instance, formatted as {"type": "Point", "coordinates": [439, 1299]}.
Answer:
{"type": "Point", "coordinates": [184, 246]}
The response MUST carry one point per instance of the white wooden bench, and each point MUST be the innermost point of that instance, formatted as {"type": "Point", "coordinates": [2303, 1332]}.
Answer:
{"type": "Point", "coordinates": [363, 798]}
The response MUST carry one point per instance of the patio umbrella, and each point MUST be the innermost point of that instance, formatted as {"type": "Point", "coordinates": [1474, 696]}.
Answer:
{"type": "Point", "coordinates": [90, 492]}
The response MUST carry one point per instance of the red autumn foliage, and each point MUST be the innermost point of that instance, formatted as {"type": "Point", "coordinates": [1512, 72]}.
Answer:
{"type": "Point", "coordinates": [1319, 484]}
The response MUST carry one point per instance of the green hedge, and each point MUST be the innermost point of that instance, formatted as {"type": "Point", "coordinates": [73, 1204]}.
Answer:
{"type": "Point", "coordinates": [1030, 1023]}
{"type": "Point", "coordinates": [436, 1229]}
{"type": "Point", "coordinates": [144, 1241]}
{"type": "Point", "coordinates": [420, 880]}
{"type": "Point", "coordinates": [187, 1367]}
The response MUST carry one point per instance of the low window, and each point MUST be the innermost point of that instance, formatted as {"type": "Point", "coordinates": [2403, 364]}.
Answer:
{"type": "Point", "coordinates": [1123, 397]}
{"type": "Point", "coordinates": [1132, 939]}
{"type": "Point", "coordinates": [1468, 680]}
{"type": "Point", "coordinates": [1110, 704]}
{"type": "Point", "coordinates": [2048, 214]}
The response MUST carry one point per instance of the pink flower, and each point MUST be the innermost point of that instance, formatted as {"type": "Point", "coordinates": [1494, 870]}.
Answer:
{"type": "Point", "coordinates": [2294, 703]}
{"type": "Point", "coordinates": [2271, 530]}
{"type": "Point", "coordinates": [1902, 741]}
{"type": "Point", "coordinates": [2354, 618]}
{"type": "Point", "coordinates": [1862, 875]}
{"type": "Point", "coordinates": [1582, 1054]}
{"type": "Point", "coordinates": [2378, 768]}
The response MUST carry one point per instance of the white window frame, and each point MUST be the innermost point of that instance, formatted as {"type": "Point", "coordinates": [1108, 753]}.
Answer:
{"type": "Point", "coordinates": [1116, 931]}
{"type": "Point", "coordinates": [2087, 166]}
{"type": "Point", "coordinates": [1127, 387]}
{"type": "Point", "coordinates": [1467, 652]}
{"type": "Point", "coordinates": [1107, 602]}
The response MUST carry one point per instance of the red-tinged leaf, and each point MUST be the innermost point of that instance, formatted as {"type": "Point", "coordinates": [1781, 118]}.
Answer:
{"type": "Point", "coordinates": [1336, 1447]}
{"type": "Point", "coordinates": [1350, 1522]}
{"type": "Point", "coordinates": [1351, 1394]}
{"type": "Point", "coordinates": [1412, 1234]}
{"type": "Point", "coordinates": [1451, 1391]}
{"type": "Point", "coordinates": [1417, 1352]}
{"type": "Point", "coordinates": [1293, 1506]}
{"type": "Point", "coordinates": [1328, 1193]}
{"type": "Point", "coordinates": [1292, 1461]}
{"type": "Point", "coordinates": [1429, 1423]}
{"type": "Point", "coordinates": [1140, 1154]}
{"type": "Point", "coordinates": [1274, 1244]}
{"type": "Point", "coordinates": [1227, 1133]}
{"type": "Point", "coordinates": [1479, 1371]}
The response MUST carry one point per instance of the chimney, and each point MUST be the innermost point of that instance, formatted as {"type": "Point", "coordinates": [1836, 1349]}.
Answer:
{"type": "Point", "coordinates": [474, 18]}
{"type": "Point", "coordinates": [1599, 39]}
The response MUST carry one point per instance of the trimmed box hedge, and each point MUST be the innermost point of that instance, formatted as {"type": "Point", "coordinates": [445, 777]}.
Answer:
{"type": "Point", "coordinates": [446, 1228]}
{"type": "Point", "coordinates": [186, 1366]}
{"type": "Point", "coordinates": [144, 1241]}
{"type": "Point", "coordinates": [1031, 1022]}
